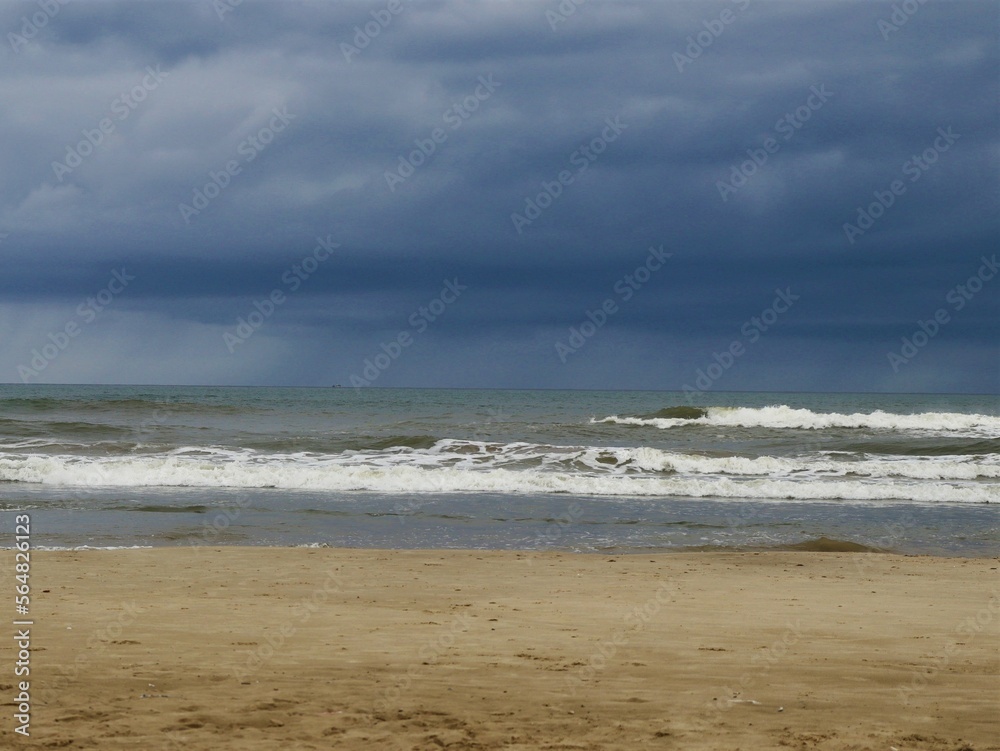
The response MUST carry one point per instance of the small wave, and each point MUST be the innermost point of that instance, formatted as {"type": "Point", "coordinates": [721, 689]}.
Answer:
{"type": "Point", "coordinates": [399, 441]}
{"type": "Point", "coordinates": [784, 417]}
{"type": "Point", "coordinates": [677, 413]}
{"type": "Point", "coordinates": [25, 428]}
{"type": "Point", "coordinates": [52, 404]}
{"type": "Point", "coordinates": [915, 446]}
{"type": "Point", "coordinates": [337, 443]}
{"type": "Point", "coordinates": [828, 545]}
{"type": "Point", "coordinates": [196, 509]}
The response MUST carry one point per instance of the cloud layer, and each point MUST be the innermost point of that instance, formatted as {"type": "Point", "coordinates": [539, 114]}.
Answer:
{"type": "Point", "coordinates": [534, 152]}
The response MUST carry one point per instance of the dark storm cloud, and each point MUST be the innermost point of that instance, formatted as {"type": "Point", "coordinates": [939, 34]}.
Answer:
{"type": "Point", "coordinates": [300, 115]}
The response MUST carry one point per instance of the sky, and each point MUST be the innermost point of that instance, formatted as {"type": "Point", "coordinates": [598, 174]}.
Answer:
{"type": "Point", "coordinates": [739, 195]}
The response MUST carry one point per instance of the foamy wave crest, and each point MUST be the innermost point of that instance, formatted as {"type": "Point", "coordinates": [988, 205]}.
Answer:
{"type": "Point", "coordinates": [465, 466]}
{"type": "Point", "coordinates": [781, 416]}
{"type": "Point", "coordinates": [927, 468]}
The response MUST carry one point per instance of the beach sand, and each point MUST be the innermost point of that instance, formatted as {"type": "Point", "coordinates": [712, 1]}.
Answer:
{"type": "Point", "coordinates": [264, 648]}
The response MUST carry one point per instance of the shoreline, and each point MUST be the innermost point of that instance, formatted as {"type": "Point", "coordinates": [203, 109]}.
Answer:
{"type": "Point", "coordinates": [810, 546]}
{"type": "Point", "coordinates": [211, 647]}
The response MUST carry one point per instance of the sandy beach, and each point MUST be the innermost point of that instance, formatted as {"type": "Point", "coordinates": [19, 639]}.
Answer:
{"type": "Point", "coordinates": [261, 648]}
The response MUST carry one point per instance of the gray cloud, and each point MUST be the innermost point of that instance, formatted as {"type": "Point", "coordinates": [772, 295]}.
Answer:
{"type": "Point", "coordinates": [349, 122]}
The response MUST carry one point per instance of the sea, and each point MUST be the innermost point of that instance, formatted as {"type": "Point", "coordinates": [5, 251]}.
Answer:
{"type": "Point", "coordinates": [583, 471]}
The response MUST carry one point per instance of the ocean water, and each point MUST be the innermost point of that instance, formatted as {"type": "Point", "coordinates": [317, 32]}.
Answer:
{"type": "Point", "coordinates": [570, 470]}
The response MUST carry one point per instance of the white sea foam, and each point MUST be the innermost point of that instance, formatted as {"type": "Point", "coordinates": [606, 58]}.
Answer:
{"type": "Point", "coordinates": [466, 466]}
{"type": "Point", "coordinates": [924, 468]}
{"type": "Point", "coordinates": [34, 443]}
{"type": "Point", "coordinates": [781, 416]}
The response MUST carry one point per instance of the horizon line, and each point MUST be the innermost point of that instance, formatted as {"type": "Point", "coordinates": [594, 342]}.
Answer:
{"type": "Point", "coordinates": [503, 388]}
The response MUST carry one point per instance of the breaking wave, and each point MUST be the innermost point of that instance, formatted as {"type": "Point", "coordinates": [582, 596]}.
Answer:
{"type": "Point", "coordinates": [474, 466]}
{"type": "Point", "coordinates": [783, 417]}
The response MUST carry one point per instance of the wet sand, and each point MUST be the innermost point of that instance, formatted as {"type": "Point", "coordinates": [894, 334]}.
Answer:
{"type": "Point", "coordinates": [261, 648]}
